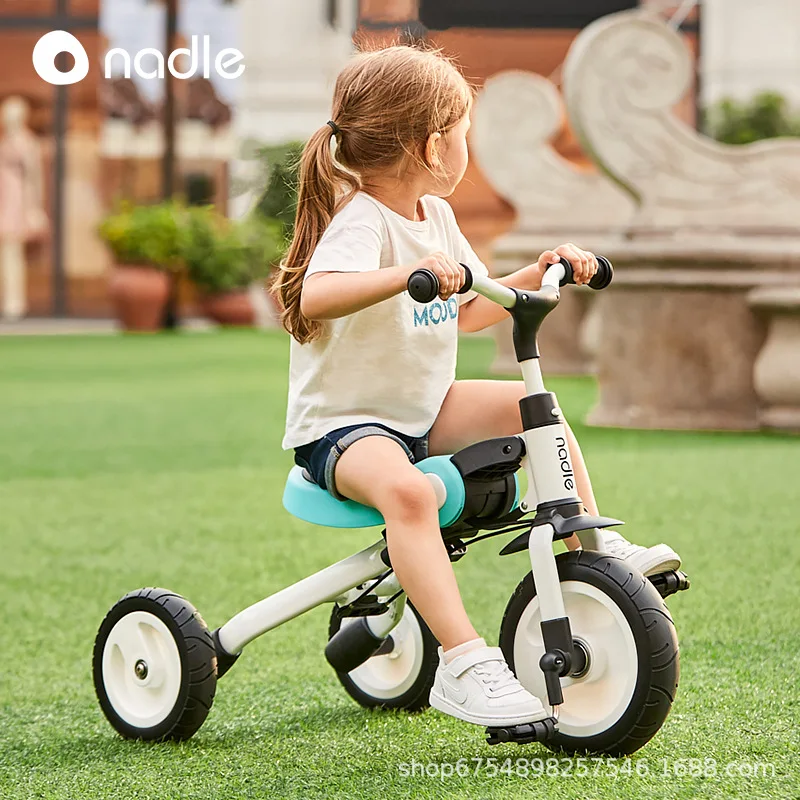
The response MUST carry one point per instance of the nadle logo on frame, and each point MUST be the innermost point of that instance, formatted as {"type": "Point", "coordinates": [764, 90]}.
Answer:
{"type": "Point", "coordinates": [54, 43]}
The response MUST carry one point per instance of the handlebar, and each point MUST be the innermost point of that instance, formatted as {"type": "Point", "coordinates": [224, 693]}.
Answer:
{"type": "Point", "coordinates": [601, 278]}
{"type": "Point", "coordinates": [423, 285]}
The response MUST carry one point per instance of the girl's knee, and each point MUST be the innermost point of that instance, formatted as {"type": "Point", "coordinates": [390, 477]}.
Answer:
{"type": "Point", "coordinates": [409, 498]}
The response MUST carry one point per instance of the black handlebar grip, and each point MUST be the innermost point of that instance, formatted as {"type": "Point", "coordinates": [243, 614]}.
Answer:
{"type": "Point", "coordinates": [467, 279]}
{"type": "Point", "coordinates": [423, 285]}
{"type": "Point", "coordinates": [601, 278]}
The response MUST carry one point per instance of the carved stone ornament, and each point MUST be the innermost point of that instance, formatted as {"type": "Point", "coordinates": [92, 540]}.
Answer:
{"type": "Point", "coordinates": [516, 117]}
{"type": "Point", "coordinates": [621, 79]}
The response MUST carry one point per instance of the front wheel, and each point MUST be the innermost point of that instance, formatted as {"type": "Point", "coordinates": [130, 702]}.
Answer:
{"type": "Point", "coordinates": [401, 674]}
{"type": "Point", "coordinates": [623, 694]}
{"type": "Point", "coordinates": [154, 666]}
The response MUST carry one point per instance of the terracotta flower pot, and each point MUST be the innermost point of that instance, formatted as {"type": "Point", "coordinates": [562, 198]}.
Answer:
{"type": "Point", "coordinates": [230, 308]}
{"type": "Point", "coordinates": [139, 294]}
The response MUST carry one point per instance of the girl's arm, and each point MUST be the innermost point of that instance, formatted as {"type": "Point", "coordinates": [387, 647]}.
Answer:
{"type": "Point", "coordinates": [480, 313]}
{"type": "Point", "coordinates": [328, 295]}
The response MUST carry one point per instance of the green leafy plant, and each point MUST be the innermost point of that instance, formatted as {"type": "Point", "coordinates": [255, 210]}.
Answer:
{"type": "Point", "coordinates": [279, 200]}
{"type": "Point", "coordinates": [766, 116]}
{"type": "Point", "coordinates": [225, 256]}
{"type": "Point", "coordinates": [147, 235]}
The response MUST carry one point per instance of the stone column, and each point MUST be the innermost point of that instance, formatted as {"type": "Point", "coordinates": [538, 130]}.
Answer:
{"type": "Point", "coordinates": [679, 341]}
{"type": "Point", "coordinates": [566, 345]}
{"type": "Point", "coordinates": [777, 368]}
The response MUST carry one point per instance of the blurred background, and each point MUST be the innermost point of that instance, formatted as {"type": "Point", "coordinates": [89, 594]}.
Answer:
{"type": "Point", "coordinates": [598, 121]}
{"type": "Point", "coordinates": [635, 129]}
{"type": "Point", "coordinates": [663, 135]}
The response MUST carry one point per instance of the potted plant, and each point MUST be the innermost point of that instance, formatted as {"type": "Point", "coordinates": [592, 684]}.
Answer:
{"type": "Point", "coordinates": [145, 242]}
{"type": "Point", "coordinates": [224, 258]}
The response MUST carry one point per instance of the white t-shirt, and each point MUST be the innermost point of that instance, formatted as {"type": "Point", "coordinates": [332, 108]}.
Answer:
{"type": "Point", "coordinates": [392, 362]}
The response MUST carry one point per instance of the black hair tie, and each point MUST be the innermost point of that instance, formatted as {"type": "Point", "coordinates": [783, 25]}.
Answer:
{"type": "Point", "coordinates": [334, 127]}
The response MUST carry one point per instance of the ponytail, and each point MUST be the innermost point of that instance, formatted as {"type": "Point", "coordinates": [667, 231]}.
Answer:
{"type": "Point", "coordinates": [386, 104]}
{"type": "Point", "coordinates": [319, 196]}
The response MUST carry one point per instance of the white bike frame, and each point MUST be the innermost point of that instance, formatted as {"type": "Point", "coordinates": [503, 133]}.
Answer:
{"type": "Point", "coordinates": [550, 478]}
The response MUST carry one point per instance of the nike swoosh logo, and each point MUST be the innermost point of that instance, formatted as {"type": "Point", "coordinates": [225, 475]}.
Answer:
{"type": "Point", "coordinates": [458, 693]}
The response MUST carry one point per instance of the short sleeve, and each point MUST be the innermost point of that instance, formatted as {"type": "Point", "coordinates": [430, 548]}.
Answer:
{"type": "Point", "coordinates": [464, 253]}
{"type": "Point", "coordinates": [468, 256]}
{"type": "Point", "coordinates": [348, 245]}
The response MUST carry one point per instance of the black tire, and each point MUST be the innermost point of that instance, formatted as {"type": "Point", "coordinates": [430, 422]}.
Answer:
{"type": "Point", "coordinates": [413, 693]}
{"type": "Point", "coordinates": [656, 653]}
{"type": "Point", "coordinates": [192, 675]}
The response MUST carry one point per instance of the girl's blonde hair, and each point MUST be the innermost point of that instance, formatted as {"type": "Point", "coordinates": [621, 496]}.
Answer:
{"type": "Point", "coordinates": [386, 104]}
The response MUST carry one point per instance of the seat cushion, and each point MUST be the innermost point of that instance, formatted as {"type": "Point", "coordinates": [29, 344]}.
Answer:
{"type": "Point", "coordinates": [307, 501]}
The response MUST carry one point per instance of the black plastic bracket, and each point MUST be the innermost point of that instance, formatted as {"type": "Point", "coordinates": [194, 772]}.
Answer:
{"type": "Point", "coordinates": [490, 457]}
{"type": "Point", "coordinates": [352, 645]}
{"type": "Point", "coordinates": [225, 660]}
{"type": "Point", "coordinates": [528, 314]}
{"type": "Point", "coordinates": [557, 635]}
{"type": "Point", "coordinates": [539, 410]}
{"type": "Point", "coordinates": [566, 516]}
{"type": "Point", "coordinates": [366, 605]}
{"type": "Point", "coordinates": [554, 664]}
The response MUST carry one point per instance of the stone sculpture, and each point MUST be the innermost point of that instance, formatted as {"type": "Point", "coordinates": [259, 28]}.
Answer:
{"type": "Point", "coordinates": [517, 116]}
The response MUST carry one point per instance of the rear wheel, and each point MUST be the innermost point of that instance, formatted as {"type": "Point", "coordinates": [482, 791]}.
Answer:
{"type": "Point", "coordinates": [623, 694]}
{"type": "Point", "coordinates": [154, 666]}
{"type": "Point", "coordinates": [401, 674]}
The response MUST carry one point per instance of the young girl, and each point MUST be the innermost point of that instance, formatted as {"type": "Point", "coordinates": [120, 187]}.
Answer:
{"type": "Point", "coordinates": [372, 385]}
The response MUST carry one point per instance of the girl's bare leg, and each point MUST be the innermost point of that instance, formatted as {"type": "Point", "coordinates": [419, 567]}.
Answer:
{"type": "Point", "coordinates": [483, 409]}
{"type": "Point", "coordinates": [375, 471]}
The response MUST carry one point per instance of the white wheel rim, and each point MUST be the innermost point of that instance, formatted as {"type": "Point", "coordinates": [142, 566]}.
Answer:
{"type": "Point", "coordinates": [141, 669]}
{"type": "Point", "coordinates": [597, 700]}
{"type": "Point", "coordinates": [386, 677]}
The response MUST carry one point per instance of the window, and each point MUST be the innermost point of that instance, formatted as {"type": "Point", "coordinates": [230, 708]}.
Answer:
{"type": "Point", "coordinates": [442, 14]}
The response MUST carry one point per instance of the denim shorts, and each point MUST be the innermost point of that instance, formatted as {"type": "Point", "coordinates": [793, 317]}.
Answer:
{"type": "Point", "coordinates": [319, 458]}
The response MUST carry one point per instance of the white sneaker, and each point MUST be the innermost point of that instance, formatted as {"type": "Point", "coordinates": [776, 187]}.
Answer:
{"type": "Point", "coordinates": [648, 560]}
{"type": "Point", "coordinates": [479, 687]}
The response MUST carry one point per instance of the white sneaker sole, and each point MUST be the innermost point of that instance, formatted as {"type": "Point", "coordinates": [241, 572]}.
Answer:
{"type": "Point", "coordinates": [656, 559]}
{"type": "Point", "coordinates": [445, 706]}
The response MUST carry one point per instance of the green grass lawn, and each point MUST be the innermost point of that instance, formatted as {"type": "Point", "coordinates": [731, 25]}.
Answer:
{"type": "Point", "coordinates": [133, 461]}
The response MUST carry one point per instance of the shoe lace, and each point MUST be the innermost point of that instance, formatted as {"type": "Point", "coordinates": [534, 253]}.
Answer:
{"type": "Point", "coordinates": [621, 548]}
{"type": "Point", "coordinates": [494, 673]}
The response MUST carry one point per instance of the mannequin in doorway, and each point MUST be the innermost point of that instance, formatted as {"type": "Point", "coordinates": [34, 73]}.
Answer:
{"type": "Point", "coordinates": [22, 215]}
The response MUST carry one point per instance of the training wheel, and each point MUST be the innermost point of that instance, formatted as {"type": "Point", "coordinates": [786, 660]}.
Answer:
{"type": "Point", "coordinates": [401, 673]}
{"type": "Point", "coordinates": [154, 666]}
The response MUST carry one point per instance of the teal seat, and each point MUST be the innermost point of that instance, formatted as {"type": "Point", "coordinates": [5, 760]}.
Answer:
{"type": "Point", "coordinates": [307, 501]}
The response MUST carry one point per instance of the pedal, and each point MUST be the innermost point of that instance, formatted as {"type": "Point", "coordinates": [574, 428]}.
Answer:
{"type": "Point", "coordinates": [539, 731]}
{"type": "Point", "coordinates": [668, 583]}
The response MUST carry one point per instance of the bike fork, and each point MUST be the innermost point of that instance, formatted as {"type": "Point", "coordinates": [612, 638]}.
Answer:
{"type": "Point", "coordinates": [557, 661]}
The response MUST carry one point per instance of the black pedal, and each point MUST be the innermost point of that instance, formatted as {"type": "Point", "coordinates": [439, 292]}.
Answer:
{"type": "Point", "coordinates": [540, 731]}
{"type": "Point", "coordinates": [668, 583]}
